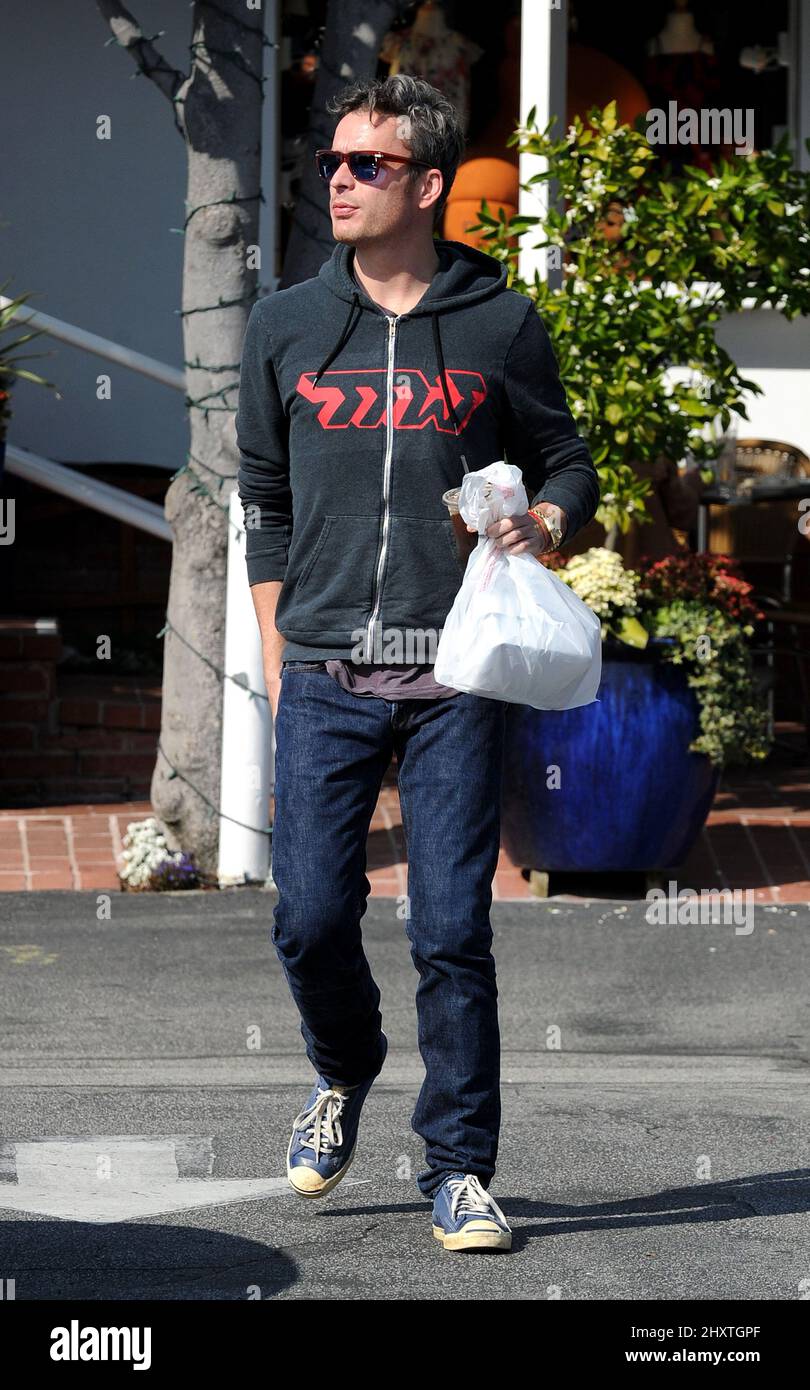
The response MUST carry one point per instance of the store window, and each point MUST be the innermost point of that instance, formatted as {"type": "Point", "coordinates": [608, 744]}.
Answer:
{"type": "Point", "coordinates": [725, 56]}
{"type": "Point", "coordinates": [677, 58]}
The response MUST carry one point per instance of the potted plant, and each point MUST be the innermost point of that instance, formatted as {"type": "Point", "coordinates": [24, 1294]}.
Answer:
{"type": "Point", "coordinates": [627, 783]}
{"type": "Point", "coordinates": [643, 263]}
{"type": "Point", "coordinates": [10, 358]}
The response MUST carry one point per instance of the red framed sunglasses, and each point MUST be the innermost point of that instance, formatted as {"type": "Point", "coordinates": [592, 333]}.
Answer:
{"type": "Point", "coordinates": [364, 165]}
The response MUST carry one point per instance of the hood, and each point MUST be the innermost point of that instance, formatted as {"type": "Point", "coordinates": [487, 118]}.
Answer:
{"type": "Point", "coordinates": [465, 276]}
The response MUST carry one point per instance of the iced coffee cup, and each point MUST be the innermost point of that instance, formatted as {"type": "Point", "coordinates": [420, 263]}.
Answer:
{"type": "Point", "coordinates": [466, 541]}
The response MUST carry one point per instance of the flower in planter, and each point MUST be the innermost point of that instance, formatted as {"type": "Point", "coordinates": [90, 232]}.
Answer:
{"type": "Point", "coordinates": [705, 607]}
{"type": "Point", "coordinates": [149, 865]}
{"type": "Point", "coordinates": [600, 579]}
{"type": "Point", "coordinates": [701, 612]}
{"type": "Point", "coordinates": [714, 579]}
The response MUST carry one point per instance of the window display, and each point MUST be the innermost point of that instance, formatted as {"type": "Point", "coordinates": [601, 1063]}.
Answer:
{"type": "Point", "coordinates": [693, 57]}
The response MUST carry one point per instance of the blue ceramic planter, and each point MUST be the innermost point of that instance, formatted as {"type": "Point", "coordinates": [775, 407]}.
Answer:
{"type": "Point", "coordinates": [631, 796]}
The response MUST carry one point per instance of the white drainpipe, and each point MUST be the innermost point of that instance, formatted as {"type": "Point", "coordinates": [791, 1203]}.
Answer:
{"type": "Point", "coordinates": [247, 734]}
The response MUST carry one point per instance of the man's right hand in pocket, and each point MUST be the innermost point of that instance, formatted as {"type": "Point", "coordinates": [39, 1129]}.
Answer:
{"type": "Point", "coordinates": [272, 681]}
{"type": "Point", "coordinates": [265, 599]}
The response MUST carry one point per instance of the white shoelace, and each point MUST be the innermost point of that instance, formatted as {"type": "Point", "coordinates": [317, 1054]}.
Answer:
{"type": "Point", "coordinates": [322, 1123]}
{"type": "Point", "coordinates": [469, 1198]}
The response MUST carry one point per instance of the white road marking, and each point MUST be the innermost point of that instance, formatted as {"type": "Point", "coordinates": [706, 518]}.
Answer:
{"type": "Point", "coordinates": [106, 1179]}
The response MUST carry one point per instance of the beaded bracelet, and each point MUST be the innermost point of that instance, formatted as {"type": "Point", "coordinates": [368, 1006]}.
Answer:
{"type": "Point", "coordinates": [538, 516]}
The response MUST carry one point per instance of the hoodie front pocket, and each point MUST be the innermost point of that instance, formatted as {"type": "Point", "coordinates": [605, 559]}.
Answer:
{"type": "Point", "coordinates": [423, 572]}
{"type": "Point", "coordinates": [315, 552]}
{"type": "Point", "coordinates": [335, 583]}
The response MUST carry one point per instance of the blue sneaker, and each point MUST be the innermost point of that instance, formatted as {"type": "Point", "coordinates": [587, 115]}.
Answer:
{"type": "Point", "coordinates": [466, 1217]}
{"type": "Point", "coordinates": [324, 1135]}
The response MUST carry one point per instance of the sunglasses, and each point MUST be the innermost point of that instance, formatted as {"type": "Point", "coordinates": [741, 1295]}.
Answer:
{"type": "Point", "coordinates": [364, 165]}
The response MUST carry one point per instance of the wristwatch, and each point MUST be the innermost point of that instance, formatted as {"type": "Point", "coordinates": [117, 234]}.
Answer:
{"type": "Point", "coordinates": [553, 529]}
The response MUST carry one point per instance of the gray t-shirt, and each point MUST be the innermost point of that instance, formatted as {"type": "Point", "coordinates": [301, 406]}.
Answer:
{"type": "Point", "coordinates": [388, 682]}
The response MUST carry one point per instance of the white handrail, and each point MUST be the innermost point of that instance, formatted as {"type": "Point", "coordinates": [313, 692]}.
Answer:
{"type": "Point", "coordinates": [102, 347]}
{"type": "Point", "coordinates": [91, 492]}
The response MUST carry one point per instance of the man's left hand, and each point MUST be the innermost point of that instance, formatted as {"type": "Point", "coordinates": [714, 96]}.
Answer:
{"type": "Point", "coordinates": [524, 535]}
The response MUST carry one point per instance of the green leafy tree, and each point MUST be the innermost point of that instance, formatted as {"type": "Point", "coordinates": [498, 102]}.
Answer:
{"type": "Point", "coordinates": [650, 262]}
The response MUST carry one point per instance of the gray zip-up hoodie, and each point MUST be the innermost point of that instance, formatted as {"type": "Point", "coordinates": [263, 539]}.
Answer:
{"type": "Point", "coordinates": [351, 424]}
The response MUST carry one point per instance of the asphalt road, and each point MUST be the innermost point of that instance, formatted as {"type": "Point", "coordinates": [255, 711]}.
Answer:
{"type": "Point", "coordinates": [152, 1063]}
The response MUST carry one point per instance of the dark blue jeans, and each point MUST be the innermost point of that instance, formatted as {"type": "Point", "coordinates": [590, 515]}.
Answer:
{"type": "Point", "coordinates": [332, 751]}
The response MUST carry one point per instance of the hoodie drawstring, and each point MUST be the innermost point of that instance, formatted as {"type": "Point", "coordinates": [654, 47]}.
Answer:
{"type": "Point", "coordinates": [437, 343]}
{"type": "Point", "coordinates": [349, 327]}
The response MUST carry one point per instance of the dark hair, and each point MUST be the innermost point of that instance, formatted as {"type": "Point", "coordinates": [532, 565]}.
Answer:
{"type": "Point", "coordinates": [434, 132]}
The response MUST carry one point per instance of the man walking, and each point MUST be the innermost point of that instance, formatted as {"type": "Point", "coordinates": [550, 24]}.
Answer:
{"type": "Point", "coordinates": [365, 394]}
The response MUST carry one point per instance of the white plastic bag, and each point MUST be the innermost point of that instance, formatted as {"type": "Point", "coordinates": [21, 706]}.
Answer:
{"type": "Point", "coordinates": [515, 631]}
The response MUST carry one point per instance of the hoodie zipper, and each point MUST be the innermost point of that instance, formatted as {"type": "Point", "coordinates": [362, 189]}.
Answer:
{"type": "Point", "coordinates": [389, 449]}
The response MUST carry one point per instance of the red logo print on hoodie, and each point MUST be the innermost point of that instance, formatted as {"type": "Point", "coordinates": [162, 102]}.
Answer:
{"type": "Point", "coordinates": [357, 398]}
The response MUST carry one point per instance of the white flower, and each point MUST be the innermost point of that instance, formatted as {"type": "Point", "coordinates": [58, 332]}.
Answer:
{"type": "Point", "coordinates": [144, 851]}
{"type": "Point", "coordinates": [600, 579]}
